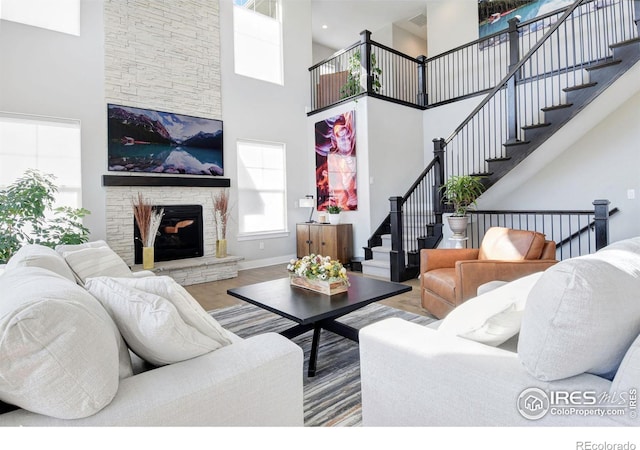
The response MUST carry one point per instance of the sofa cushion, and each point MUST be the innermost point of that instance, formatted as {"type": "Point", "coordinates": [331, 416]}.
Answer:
{"type": "Point", "coordinates": [58, 351]}
{"type": "Point", "coordinates": [582, 315]}
{"type": "Point", "coordinates": [511, 245]}
{"type": "Point", "coordinates": [161, 330]}
{"type": "Point", "coordinates": [34, 255]}
{"type": "Point", "coordinates": [493, 317]}
{"type": "Point", "coordinates": [62, 248]}
{"type": "Point", "coordinates": [95, 262]}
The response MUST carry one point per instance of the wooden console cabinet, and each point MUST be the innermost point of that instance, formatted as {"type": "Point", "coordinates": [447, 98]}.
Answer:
{"type": "Point", "coordinates": [335, 241]}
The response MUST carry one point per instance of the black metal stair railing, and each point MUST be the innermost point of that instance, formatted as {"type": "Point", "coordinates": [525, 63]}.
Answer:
{"type": "Point", "coordinates": [575, 232]}
{"type": "Point", "coordinates": [537, 84]}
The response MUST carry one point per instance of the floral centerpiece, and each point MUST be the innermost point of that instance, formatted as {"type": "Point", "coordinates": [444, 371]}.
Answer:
{"type": "Point", "coordinates": [318, 273]}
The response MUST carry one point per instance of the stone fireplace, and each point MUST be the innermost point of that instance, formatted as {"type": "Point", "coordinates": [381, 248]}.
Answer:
{"type": "Point", "coordinates": [186, 270]}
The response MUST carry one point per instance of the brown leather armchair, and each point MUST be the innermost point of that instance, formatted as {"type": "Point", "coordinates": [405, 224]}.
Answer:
{"type": "Point", "coordinates": [448, 277]}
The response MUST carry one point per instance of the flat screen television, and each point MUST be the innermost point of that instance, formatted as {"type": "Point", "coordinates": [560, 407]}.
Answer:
{"type": "Point", "coordinates": [145, 140]}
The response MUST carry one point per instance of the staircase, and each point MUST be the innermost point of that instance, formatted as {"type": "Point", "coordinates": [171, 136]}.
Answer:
{"type": "Point", "coordinates": [583, 53]}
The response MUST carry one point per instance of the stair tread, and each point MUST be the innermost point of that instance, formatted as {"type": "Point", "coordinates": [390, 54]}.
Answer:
{"type": "Point", "coordinates": [381, 249]}
{"type": "Point", "coordinates": [505, 158]}
{"type": "Point", "coordinates": [602, 65]}
{"type": "Point", "coordinates": [376, 263]}
{"type": "Point", "coordinates": [627, 42]}
{"type": "Point", "coordinates": [554, 107]}
{"type": "Point", "coordinates": [580, 86]}
{"type": "Point", "coordinates": [534, 126]}
{"type": "Point", "coordinates": [514, 143]}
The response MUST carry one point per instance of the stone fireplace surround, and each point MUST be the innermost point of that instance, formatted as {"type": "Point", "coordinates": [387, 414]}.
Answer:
{"type": "Point", "coordinates": [119, 229]}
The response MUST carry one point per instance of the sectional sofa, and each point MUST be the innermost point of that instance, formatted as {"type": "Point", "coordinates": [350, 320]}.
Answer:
{"type": "Point", "coordinates": [85, 342]}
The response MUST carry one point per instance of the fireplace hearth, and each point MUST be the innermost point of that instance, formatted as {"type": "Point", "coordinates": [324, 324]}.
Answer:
{"type": "Point", "coordinates": [180, 234]}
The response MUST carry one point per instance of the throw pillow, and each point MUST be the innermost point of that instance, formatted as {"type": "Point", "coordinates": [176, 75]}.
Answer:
{"type": "Point", "coordinates": [493, 317]}
{"type": "Point", "coordinates": [58, 352]}
{"type": "Point", "coordinates": [62, 248]}
{"type": "Point", "coordinates": [96, 262]}
{"type": "Point", "coordinates": [34, 255]}
{"type": "Point", "coordinates": [582, 316]}
{"type": "Point", "coordinates": [151, 324]}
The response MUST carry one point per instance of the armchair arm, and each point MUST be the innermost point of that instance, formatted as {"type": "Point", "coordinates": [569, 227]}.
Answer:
{"type": "Point", "coordinates": [413, 375]}
{"type": "Point", "coordinates": [471, 274]}
{"type": "Point", "coordinates": [441, 258]}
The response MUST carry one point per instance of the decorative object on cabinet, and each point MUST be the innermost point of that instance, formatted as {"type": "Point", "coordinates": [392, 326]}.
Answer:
{"type": "Point", "coordinates": [335, 241]}
{"type": "Point", "coordinates": [307, 202]}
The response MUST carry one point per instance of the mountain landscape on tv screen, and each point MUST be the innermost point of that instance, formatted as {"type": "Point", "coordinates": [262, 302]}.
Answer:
{"type": "Point", "coordinates": [143, 140]}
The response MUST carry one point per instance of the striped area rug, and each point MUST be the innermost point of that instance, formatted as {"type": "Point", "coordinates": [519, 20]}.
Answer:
{"type": "Point", "coordinates": [332, 397]}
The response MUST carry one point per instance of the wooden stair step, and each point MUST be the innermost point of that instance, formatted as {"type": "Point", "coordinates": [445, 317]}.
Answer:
{"type": "Point", "coordinates": [602, 65]}
{"type": "Point", "coordinates": [515, 143]}
{"type": "Point", "coordinates": [534, 126]}
{"type": "Point", "coordinates": [555, 107]}
{"type": "Point", "coordinates": [580, 86]}
{"type": "Point", "coordinates": [627, 42]}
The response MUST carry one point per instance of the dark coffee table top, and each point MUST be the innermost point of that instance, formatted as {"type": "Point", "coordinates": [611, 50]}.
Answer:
{"type": "Point", "coordinates": [306, 307]}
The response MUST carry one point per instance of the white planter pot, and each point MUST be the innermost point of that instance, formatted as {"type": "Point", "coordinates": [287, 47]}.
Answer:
{"type": "Point", "coordinates": [458, 226]}
{"type": "Point", "coordinates": [334, 219]}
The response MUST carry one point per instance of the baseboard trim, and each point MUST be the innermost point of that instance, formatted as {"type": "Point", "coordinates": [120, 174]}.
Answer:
{"type": "Point", "coordinates": [257, 263]}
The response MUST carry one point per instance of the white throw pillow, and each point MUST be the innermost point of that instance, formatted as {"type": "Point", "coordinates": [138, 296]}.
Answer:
{"type": "Point", "coordinates": [582, 316]}
{"type": "Point", "coordinates": [96, 262]}
{"type": "Point", "coordinates": [34, 255]}
{"type": "Point", "coordinates": [58, 351]}
{"type": "Point", "coordinates": [151, 325]}
{"type": "Point", "coordinates": [493, 317]}
{"type": "Point", "coordinates": [62, 248]}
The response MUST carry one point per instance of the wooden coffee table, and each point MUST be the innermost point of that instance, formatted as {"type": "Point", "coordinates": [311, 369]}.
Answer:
{"type": "Point", "coordinates": [314, 311]}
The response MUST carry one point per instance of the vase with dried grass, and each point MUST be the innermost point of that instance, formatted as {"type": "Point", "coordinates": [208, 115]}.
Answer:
{"type": "Point", "coordinates": [148, 221]}
{"type": "Point", "coordinates": [221, 218]}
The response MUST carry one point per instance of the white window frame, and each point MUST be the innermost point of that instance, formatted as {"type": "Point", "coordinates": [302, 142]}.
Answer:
{"type": "Point", "coordinates": [263, 234]}
{"type": "Point", "coordinates": [246, 61]}
{"type": "Point", "coordinates": [62, 16]}
{"type": "Point", "coordinates": [40, 164]}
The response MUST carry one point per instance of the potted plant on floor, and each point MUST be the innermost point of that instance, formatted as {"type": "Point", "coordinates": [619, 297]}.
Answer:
{"type": "Point", "coordinates": [461, 192]}
{"type": "Point", "coordinates": [27, 216]}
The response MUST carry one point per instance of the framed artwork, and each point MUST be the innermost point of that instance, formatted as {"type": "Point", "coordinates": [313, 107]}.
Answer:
{"type": "Point", "coordinates": [335, 150]}
{"type": "Point", "coordinates": [145, 140]}
{"type": "Point", "coordinates": [494, 16]}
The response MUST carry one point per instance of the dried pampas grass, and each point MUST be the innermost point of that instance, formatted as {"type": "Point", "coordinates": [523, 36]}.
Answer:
{"type": "Point", "coordinates": [148, 220]}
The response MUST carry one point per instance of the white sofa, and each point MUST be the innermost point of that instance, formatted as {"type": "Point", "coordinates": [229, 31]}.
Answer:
{"type": "Point", "coordinates": [245, 382]}
{"type": "Point", "coordinates": [578, 325]}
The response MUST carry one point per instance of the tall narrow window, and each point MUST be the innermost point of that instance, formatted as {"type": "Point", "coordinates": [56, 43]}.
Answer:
{"type": "Point", "coordinates": [56, 15]}
{"type": "Point", "coordinates": [258, 40]}
{"type": "Point", "coordinates": [261, 187]}
{"type": "Point", "coordinates": [49, 145]}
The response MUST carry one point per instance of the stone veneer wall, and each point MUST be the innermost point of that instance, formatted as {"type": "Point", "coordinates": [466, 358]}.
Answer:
{"type": "Point", "coordinates": [120, 213]}
{"type": "Point", "coordinates": [162, 55]}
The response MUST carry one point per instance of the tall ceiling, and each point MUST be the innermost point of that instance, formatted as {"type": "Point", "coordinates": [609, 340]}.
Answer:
{"type": "Point", "coordinates": [345, 19]}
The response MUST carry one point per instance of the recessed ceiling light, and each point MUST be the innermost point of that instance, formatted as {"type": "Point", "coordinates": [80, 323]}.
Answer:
{"type": "Point", "coordinates": [324, 27]}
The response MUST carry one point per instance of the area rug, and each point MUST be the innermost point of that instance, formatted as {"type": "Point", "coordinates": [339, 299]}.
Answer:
{"type": "Point", "coordinates": [332, 397]}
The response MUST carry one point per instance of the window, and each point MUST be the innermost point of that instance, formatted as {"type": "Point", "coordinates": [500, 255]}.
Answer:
{"type": "Point", "coordinates": [261, 188]}
{"type": "Point", "coordinates": [257, 32]}
{"type": "Point", "coordinates": [49, 145]}
{"type": "Point", "coordinates": [56, 15]}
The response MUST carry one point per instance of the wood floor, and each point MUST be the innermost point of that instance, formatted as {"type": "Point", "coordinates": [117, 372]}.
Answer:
{"type": "Point", "coordinates": [214, 295]}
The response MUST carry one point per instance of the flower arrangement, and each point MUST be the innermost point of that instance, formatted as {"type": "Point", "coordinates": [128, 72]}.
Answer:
{"type": "Point", "coordinates": [318, 267]}
{"type": "Point", "coordinates": [148, 219]}
{"type": "Point", "coordinates": [221, 213]}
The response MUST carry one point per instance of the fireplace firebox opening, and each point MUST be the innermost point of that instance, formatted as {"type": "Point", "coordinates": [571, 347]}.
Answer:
{"type": "Point", "coordinates": [180, 234]}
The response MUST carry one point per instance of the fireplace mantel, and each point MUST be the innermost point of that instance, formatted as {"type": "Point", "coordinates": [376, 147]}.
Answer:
{"type": "Point", "coordinates": [156, 180]}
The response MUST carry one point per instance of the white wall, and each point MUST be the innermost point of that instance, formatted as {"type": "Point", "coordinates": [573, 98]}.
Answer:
{"type": "Point", "coordinates": [321, 52]}
{"type": "Point", "coordinates": [450, 24]}
{"type": "Point", "coordinates": [53, 74]}
{"type": "Point", "coordinates": [258, 110]}
{"type": "Point", "coordinates": [389, 158]}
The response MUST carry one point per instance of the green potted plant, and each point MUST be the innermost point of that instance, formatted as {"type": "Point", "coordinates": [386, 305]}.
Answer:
{"type": "Point", "coordinates": [352, 85]}
{"type": "Point", "coordinates": [461, 192]}
{"type": "Point", "coordinates": [334, 213]}
{"type": "Point", "coordinates": [27, 216]}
